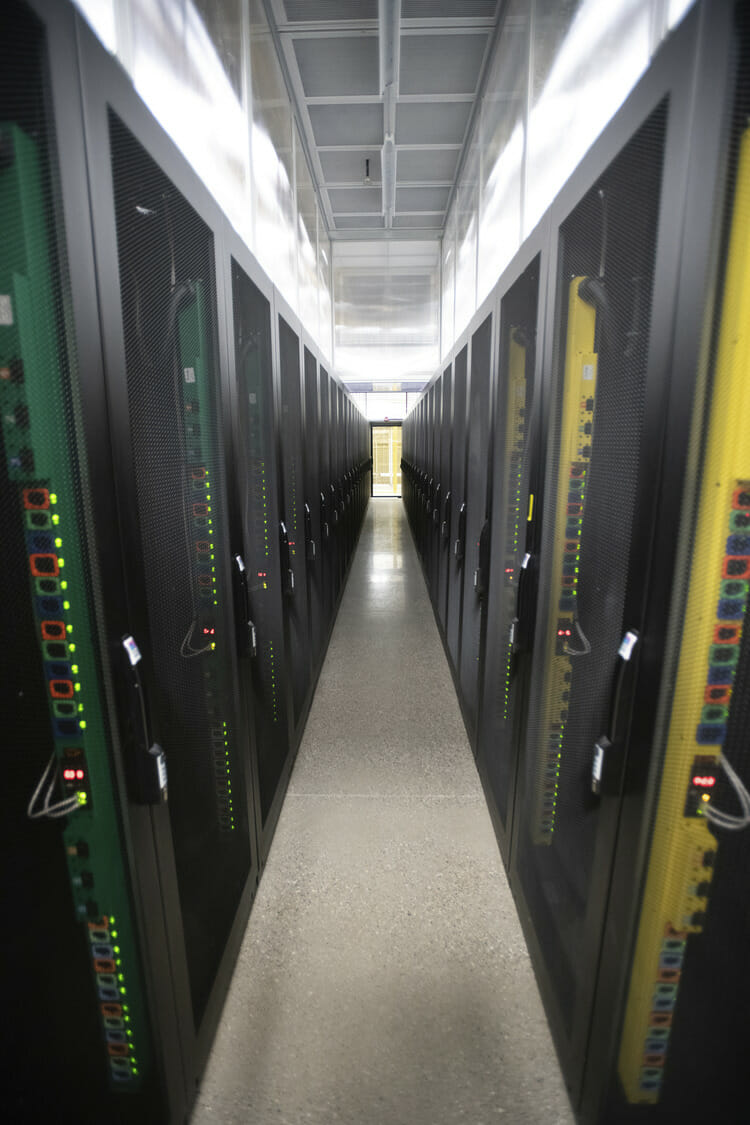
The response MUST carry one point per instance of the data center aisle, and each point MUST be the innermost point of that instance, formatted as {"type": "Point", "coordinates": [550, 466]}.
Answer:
{"type": "Point", "coordinates": [384, 977]}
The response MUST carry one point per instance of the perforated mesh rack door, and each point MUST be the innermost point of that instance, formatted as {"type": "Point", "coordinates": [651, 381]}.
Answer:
{"type": "Point", "coordinates": [168, 304]}
{"type": "Point", "coordinates": [458, 498]}
{"type": "Point", "coordinates": [508, 643]}
{"type": "Point", "coordinates": [293, 473]}
{"type": "Point", "coordinates": [599, 357]}
{"type": "Point", "coordinates": [477, 456]}
{"type": "Point", "coordinates": [313, 480]}
{"type": "Point", "coordinates": [252, 341]}
{"type": "Point", "coordinates": [72, 975]}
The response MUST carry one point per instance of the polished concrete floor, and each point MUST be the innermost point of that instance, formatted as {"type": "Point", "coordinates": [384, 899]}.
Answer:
{"type": "Point", "coordinates": [384, 977]}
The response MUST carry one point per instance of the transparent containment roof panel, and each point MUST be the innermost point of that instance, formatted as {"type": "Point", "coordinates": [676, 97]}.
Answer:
{"type": "Point", "coordinates": [359, 125]}
{"type": "Point", "coordinates": [338, 66]}
{"type": "Point", "coordinates": [319, 11]}
{"type": "Point", "coordinates": [441, 64]}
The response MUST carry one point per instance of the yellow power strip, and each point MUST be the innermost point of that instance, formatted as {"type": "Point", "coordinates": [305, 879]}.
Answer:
{"type": "Point", "coordinates": [683, 847]}
{"type": "Point", "coordinates": [574, 457]}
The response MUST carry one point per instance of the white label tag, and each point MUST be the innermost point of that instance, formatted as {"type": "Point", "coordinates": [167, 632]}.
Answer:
{"type": "Point", "coordinates": [161, 769]}
{"type": "Point", "coordinates": [629, 641]}
{"type": "Point", "coordinates": [6, 310]}
{"type": "Point", "coordinates": [596, 769]}
{"type": "Point", "coordinates": [189, 373]}
{"type": "Point", "coordinates": [132, 650]}
{"type": "Point", "coordinates": [252, 398]}
{"type": "Point", "coordinates": [588, 372]}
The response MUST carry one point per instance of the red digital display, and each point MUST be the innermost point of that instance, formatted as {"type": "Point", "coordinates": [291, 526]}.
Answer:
{"type": "Point", "coordinates": [704, 781]}
{"type": "Point", "coordinates": [208, 632]}
{"type": "Point", "coordinates": [73, 775]}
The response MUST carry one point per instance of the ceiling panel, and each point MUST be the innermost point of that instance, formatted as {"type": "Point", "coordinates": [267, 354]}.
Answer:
{"type": "Point", "coordinates": [356, 125]}
{"type": "Point", "coordinates": [337, 66]}
{"type": "Point", "coordinates": [319, 11]}
{"type": "Point", "coordinates": [356, 222]}
{"type": "Point", "coordinates": [422, 198]}
{"type": "Point", "coordinates": [349, 167]}
{"type": "Point", "coordinates": [430, 123]}
{"type": "Point", "coordinates": [447, 9]}
{"type": "Point", "coordinates": [428, 221]}
{"type": "Point", "coordinates": [421, 165]}
{"type": "Point", "coordinates": [364, 199]}
{"type": "Point", "coordinates": [441, 64]}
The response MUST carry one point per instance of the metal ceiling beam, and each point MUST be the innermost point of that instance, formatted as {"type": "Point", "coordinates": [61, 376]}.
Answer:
{"type": "Point", "coordinates": [389, 17]}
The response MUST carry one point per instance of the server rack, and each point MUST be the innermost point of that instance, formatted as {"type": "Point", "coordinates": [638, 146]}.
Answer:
{"type": "Point", "coordinates": [515, 516]}
{"type": "Point", "coordinates": [75, 975]}
{"type": "Point", "coordinates": [289, 394]}
{"type": "Point", "coordinates": [327, 541]}
{"type": "Point", "coordinates": [476, 566]}
{"type": "Point", "coordinates": [445, 524]}
{"type": "Point", "coordinates": [458, 505]}
{"type": "Point", "coordinates": [255, 547]}
{"type": "Point", "coordinates": [157, 238]}
{"type": "Point", "coordinates": [437, 496]}
{"type": "Point", "coordinates": [313, 515]}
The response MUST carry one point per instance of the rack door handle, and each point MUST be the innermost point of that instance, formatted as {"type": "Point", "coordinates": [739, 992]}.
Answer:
{"type": "Point", "coordinates": [148, 760]}
{"type": "Point", "coordinates": [608, 756]}
{"type": "Point", "coordinates": [459, 547]}
{"type": "Point", "coordinates": [286, 559]}
{"type": "Point", "coordinates": [309, 541]}
{"type": "Point", "coordinates": [247, 637]}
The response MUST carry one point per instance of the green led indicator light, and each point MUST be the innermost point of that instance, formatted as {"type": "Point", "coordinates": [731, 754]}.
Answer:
{"type": "Point", "coordinates": [58, 542]}
{"type": "Point", "coordinates": [55, 518]}
{"type": "Point", "coordinates": [77, 687]}
{"type": "Point", "coordinates": [53, 497]}
{"type": "Point", "coordinates": [64, 585]}
{"type": "Point", "coordinates": [82, 724]}
{"type": "Point", "coordinates": [61, 562]}
{"type": "Point", "coordinates": [74, 669]}
{"type": "Point", "coordinates": [66, 605]}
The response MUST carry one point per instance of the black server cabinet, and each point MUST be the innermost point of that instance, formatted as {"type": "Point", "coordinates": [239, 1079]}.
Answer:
{"type": "Point", "coordinates": [89, 1034]}
{"type": "Point", "coordinates": [155, 236]}
{"type": "Point", "coordinates": [445, 523]}
{"type": "Point", "coordinates": [437, 493]}
{"type": "Point", "coordinates": [599, 349]}
{"type": "Point", "coordinates": [327, 541]}
{"type": "Point", "coordinates": [458, 507]}
{"type": "Point", "coordinates": [256, 549]}
{"type": "Point", "coordinates": [292, 523]}
{"type": "Point", "coordinates": [676, 964]}
{"type": "Point", "coordinates": [615, 256]}
{"type": "Point", "coordinates": [514, 504]}
{"type": "Point", "coordinates": [312, 511]}
{"type": "Point", "coordinates": [476, 566]}
{"type": "Point", "coordinates": [333, 492]}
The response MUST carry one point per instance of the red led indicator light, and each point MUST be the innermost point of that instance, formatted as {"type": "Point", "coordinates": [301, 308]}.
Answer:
{"type": "Point", "coordinates": [704, 781]}
{"type": "Point", "coordinates": [208, 632]}
{"type": "Point", "coordinates": [262, 574]}
{"type": "Point", "coordinates": [565, 632]}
